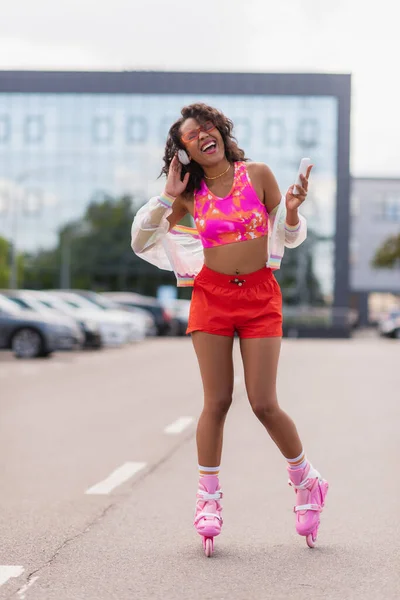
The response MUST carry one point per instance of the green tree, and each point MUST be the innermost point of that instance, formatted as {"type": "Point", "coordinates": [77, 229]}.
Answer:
{"type": "Point", "coordinates": [96, 253]}
{"type": "Point", "coordinates": [388, 254]}
{"type": "Point", "coordinates": [5, 264]}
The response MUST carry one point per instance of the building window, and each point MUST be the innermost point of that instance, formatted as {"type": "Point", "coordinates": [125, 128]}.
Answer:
{"type": "Point", "coordinates": [274, 132]}
{"type": "Point", "coordinates": [102, 130]}
{"type": "Point", "coordinates": [242, 131]}
{"type": "Point", "coordinates": [34, 129]}
{"type": "Point", "coordinates": [389, 207]}
{"type": "Point", "coordinates": [136, 130]}
{"type": "Point", "coordinates": [5, 128]}
{"type": "Point", "coordinates": [164, 127]}
{"type": "Point", "coordinates": [308, 133]}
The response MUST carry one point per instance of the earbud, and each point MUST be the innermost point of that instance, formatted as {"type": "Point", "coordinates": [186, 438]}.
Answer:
{"type": "Point", "coordinates": [183, 157]}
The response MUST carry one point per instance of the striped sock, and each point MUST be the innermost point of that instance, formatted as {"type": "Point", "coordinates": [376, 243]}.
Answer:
{"type": "Point", "coordinates": [299, 462]}
{"type": "Point", "coordinates": [208, 471]}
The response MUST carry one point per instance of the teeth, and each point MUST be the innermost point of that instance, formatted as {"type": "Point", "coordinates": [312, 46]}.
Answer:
{"type": "Point", "coordinates": [208, 146]}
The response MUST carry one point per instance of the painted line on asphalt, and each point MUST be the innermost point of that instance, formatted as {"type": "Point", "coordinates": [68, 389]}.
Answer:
{"type": "Point", "coordinates": [179, 425]}
{"type": "Point", "coordinates": [22, 592]}
{"type": "Point", "coordinates": [117, 477]}
{"type": "Point", "coordinates": [9, 571]}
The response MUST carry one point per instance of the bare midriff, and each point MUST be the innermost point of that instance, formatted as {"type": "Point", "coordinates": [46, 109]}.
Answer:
{"type": "Point", "coordinates": [237, 258]}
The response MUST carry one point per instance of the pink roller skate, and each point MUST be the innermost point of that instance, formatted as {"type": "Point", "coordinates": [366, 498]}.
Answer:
{"type": "Point", "coordinates": [208, 520]}
{"type": "Point", "coordinates": [311, 491]}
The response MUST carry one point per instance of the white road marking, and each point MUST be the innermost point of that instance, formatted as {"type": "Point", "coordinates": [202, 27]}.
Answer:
{"type": "Point", "coordinates": [117, 477]}
{"type": "Point", "coordinates": [22, 592]}
{"type": "Point", "coordinates": [179, 425]}
{"type": "Point", "coordinates": [9, 571]}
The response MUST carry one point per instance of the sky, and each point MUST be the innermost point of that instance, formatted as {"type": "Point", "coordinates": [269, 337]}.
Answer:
{"type": "Point", "coordinates": [302, 36]}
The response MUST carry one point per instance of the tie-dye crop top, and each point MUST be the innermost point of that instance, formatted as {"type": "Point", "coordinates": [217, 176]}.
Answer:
{"type": "Point", "coordinates": [238, 217]}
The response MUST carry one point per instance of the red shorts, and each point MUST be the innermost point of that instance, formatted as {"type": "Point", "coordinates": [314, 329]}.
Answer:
{"type": "Point", "coordinates": [250, 304]}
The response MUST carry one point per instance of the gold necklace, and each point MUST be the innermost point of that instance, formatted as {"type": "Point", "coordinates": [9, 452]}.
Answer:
{"type": "Point", "coordinates": [218, 176]}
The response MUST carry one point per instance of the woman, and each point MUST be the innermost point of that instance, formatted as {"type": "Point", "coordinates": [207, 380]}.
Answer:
{"type": "Point", "coordinates": [242, 225]}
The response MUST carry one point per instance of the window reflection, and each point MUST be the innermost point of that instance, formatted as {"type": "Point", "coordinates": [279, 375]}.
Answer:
{"type": "Point", "coordinates": [136, 130]}
{"type": "Point", "coordinates": [308, 133]}
{"type": "Point", "coordinates": [274, 132]}
{"type": "Point", "coordinates": [102, 129]}
{"type": "Point", "coordinates": [242, 131]}
{"type": "Point", "coordinates": [34, 129]}
{"type": "Point", "coordinates": [5, 128]}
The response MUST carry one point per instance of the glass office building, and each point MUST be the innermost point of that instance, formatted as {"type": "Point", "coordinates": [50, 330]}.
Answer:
{"type": "Point", "coordinates": [67, 139]}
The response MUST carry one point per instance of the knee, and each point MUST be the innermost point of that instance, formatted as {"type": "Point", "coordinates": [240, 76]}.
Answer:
{"type": "Point", "coordinates": [218, 406]}
{"type": "Point", "coordinates": [266, 409]}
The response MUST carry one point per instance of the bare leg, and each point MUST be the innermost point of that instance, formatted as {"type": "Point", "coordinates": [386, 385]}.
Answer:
{"type": "Point", "coordinates": [260, 360]}
{"type": "Point", "coordinates": [214, 354]}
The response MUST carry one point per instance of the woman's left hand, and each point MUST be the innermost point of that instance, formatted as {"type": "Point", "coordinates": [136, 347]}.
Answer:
{"type": "Point", "coordinates": [293, 201]}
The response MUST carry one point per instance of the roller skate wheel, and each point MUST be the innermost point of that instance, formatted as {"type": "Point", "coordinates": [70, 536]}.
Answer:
{"type": "Point", "coordinates": [310, 539]}
{"type": "Point", "coordinates": [208, 547]}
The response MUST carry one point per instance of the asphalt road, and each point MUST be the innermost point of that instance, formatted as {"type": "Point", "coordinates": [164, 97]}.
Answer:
{"type": "Point", "coordinates": [98, 477]}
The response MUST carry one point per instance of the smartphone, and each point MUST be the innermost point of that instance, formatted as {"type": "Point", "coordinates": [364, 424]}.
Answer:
{"type": "Point", "coordinates": [304, 164]}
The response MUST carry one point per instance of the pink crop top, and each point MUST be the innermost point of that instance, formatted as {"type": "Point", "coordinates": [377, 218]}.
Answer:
{"type": "Point", "coordinates": [238, 217]}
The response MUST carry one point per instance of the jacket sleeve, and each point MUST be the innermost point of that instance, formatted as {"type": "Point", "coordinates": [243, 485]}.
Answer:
{"type": "Point", "coordinates": [295, 235]}
{"type": "Point", "coordinates": [291, 236]}
{"type": "Point", "coordinates": [151, 223]}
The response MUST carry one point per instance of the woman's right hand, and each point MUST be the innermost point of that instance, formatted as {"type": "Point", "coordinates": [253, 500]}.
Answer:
{"type": "Point", "coordinates": [174, 186]}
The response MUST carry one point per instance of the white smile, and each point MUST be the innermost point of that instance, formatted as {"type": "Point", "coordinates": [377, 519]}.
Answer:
{"type": "Point", "coordinates": [208, 146]}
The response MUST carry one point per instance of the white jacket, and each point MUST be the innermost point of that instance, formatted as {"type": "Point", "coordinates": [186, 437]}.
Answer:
{"type": "Point", "coordinates": [180, 249]}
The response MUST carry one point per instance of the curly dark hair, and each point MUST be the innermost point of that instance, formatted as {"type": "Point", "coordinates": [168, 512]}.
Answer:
{"type": "Point", "coordinates": [202, 113]}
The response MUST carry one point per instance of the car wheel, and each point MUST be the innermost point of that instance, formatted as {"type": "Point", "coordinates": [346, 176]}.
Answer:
{"type": "Point", "coordinates": [44, 354]}
{"type": "Point", "coordinates": [26, 343]}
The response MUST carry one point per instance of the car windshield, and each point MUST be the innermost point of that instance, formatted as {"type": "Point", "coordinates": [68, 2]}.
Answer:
{"type": "Point", "coordinates": [9, 307]}
{"type": "Point", "coordinates": [55, 304]}
{"type": "Point", "coordinates": [46, 304]}
{"type": "Point", "coordinates": [30, 303]}
{"type": "Point", "coordinates": [79, 302]}
{"type": "Point", "coordinates": [103, 303]}
{"type": "Point", "coordinates": [21, 303]}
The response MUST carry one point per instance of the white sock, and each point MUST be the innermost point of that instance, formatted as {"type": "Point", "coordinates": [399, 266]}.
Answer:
{"type": "Point", "coordinates": [300, 462]}
{"type": "Point", "coordinates": [208, 471]}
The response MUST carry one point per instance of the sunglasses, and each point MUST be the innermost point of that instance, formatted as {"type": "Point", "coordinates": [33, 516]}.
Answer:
{"type": "Point", "coordinates": [193, 134]}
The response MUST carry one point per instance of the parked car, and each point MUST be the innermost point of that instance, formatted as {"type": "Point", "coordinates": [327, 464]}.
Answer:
{"type": "Point", "coordinates": [165, 324]}
{"type": "Point", "coordinates": [142, 320]}
{"type": "Point", "coordinates": [118, 325]}
{"type": "Point", "coordinates": [179, 310]}
{"type": "Point", "coordinates": [88, 324]}
{"type": "Point", "coordinates": [27, 333]}
{"type": "Point", "coordinates": [25, 300]}
{"type": "Point", "coordinates": [390, 325]}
